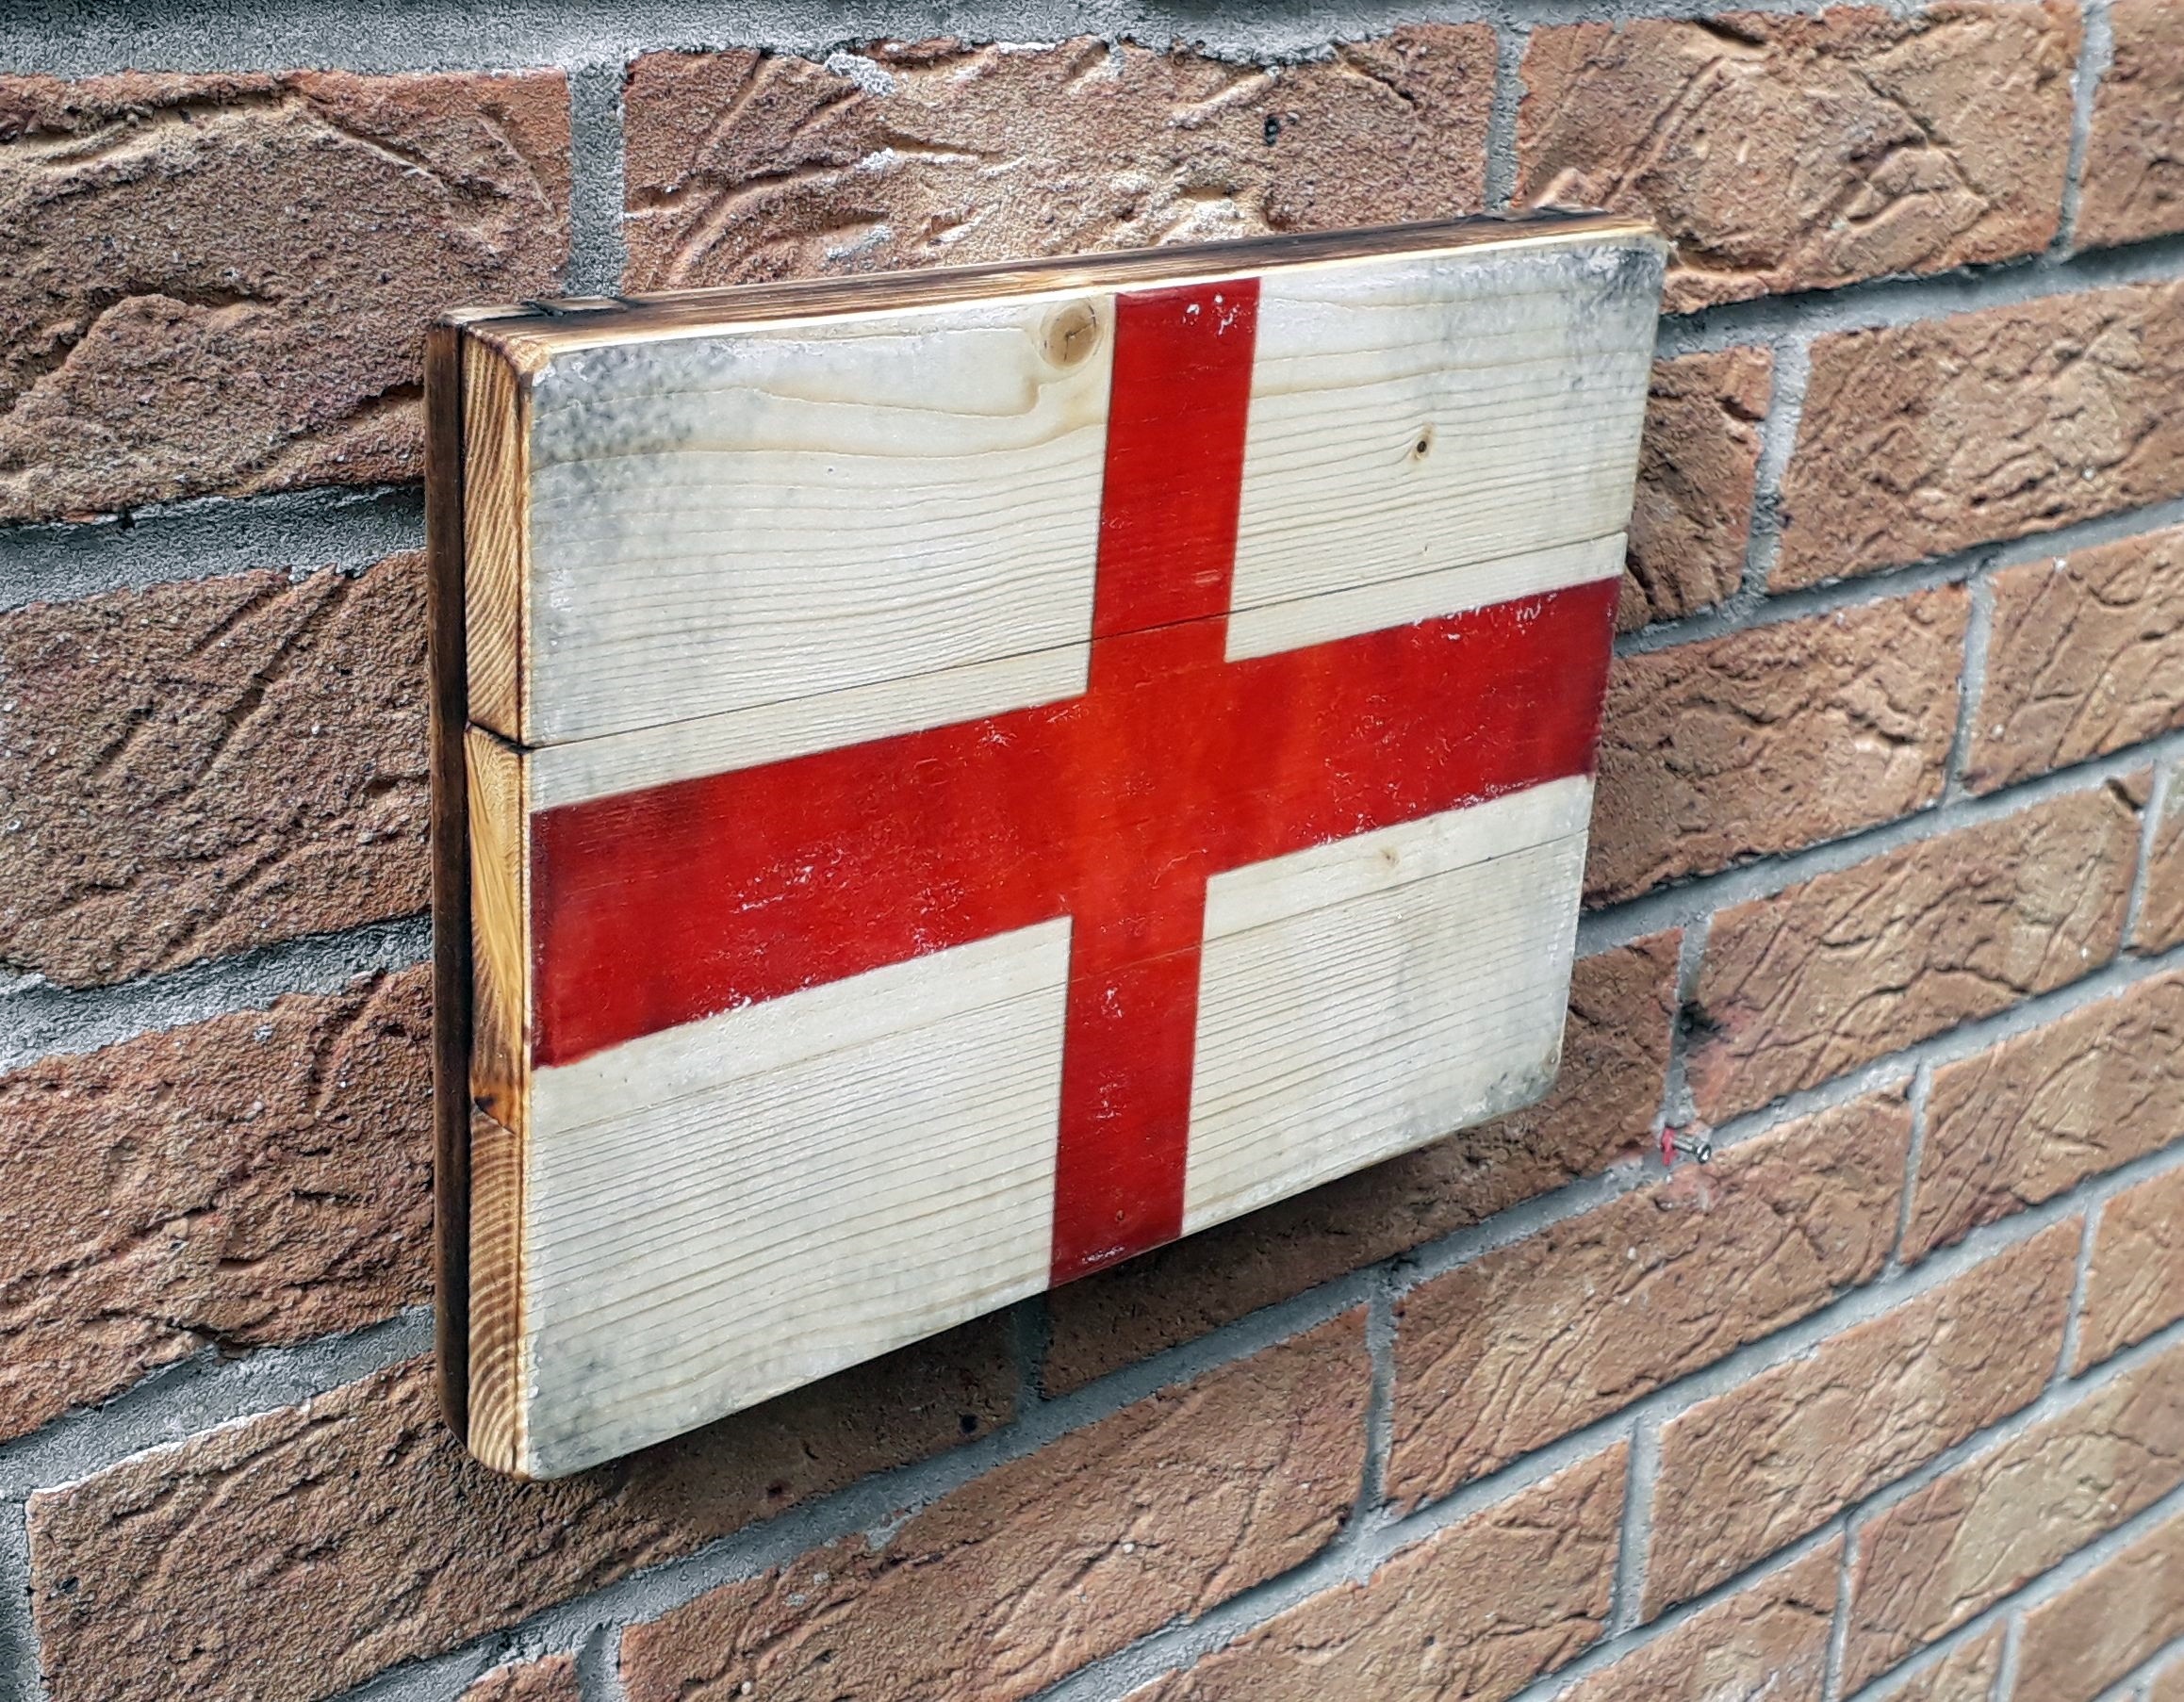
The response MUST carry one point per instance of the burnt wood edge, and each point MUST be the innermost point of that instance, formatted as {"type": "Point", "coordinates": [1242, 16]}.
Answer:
{"type": "Point", "coordinates": [539, 324]}
{"type": "Point", "coordinates": [447, 704]}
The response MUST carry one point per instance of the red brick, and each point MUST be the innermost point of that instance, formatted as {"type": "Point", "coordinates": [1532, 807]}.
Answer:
{"type": "Point", "coordinates": [1781, 152]}
{"type": "Point", "coordinates": [552, 1679]}
{"type": "Point", "coordinates": [1754, 1470]}
{"type": "Point", "coordinates": [2087, 657]}
{"type": "Point", "coordinates": [2161, 923]}
{"type": "Point", "coordinates": [1928, 437]}
{"type": "Point", "coordinates": [2036, 1115]}
{"type": "Point", "coordinates": [1615, 1053]}
{"type": "Point", "coordinates": [1711, 752]}
{"type": "Point", "coordinates": [1945, 1553]}
{"type": "Point", "coordinates": [2133, 174]}
{"type": "Point", "coordinates": [1851, 966]}
{"type": "Point", "coordinates": [2116, 1617]}
{"type": "Point", "coordinates": [219, 283]}
{"type": "Point", "coordinates": [1475, 1612]}
{"type": "Point", "coordinates": [2136, 1284]}
{"type": "Point", "coordinates": [201, 768]}
{"type": "Point", "coordinates": [1532, 1341]}
{"type": "Point", "coordinates": [1965, 1674]}
{"type": "Point", "coordinates": [252, 1180]}
{"type": "Point", "coordinates": [1769, 1640]}
{"type": "Point", "coordinates": [1007, 1585]}
{"type": "Point", "coordinates": [935, 151]}
{"type": "Point", "coordinates": [293, 1556]}
{"type": "Point", "coordinates": [1697, 466]}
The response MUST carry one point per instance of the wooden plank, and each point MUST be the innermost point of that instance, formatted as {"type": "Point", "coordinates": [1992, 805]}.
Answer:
{"type": "Point", "coordinates": [447, 668]}
{"type": "Point", "coordinates": [726, 522]}
{"type": "Point", "coordinates": [923, 488]}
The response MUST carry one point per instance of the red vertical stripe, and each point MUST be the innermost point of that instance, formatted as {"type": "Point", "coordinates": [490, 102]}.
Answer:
{"type": "Point", "coordinates": [1167, 507]}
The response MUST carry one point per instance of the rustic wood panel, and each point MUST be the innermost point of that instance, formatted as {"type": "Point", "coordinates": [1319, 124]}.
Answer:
{"type": "Point", "coordinates": [974, 775]}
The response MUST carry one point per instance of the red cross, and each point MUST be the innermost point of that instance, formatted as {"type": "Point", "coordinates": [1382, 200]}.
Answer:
{"type": "Point", "coordinates": [657, 908]}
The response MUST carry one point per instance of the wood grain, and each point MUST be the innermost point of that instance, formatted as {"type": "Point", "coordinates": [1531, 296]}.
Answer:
{"type": "Point", "coordinates": [498, 1344]}
{"type": "Point", "coordinates": [725, 522]}
{"type": "Point", "coordinates": [501, 1011]}
{"type": "Point", "coordinates": [1414, 417]}
{"type": "Point", "coordinates": [447, 669]}
{"type": "Point", "coordinates": [1364, 997]}
{"type": "Point", "coordinates": [495, 426]}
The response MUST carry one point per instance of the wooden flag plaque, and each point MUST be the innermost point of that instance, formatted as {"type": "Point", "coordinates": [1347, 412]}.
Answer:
{"type": "Point", "coordinates": [944, 781]}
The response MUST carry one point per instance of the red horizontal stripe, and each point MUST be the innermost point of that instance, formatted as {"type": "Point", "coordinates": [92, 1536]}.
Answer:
{"type": "Point", "coordinates": [656, 907]}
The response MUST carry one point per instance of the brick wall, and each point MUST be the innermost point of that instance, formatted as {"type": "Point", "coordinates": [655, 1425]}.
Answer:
{"type": "Point", "coordinates": [1887, 888]}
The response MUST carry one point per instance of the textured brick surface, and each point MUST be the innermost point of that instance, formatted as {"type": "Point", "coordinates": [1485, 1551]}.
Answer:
{"type": "Point", "coordinates": [1691, 516]}
{"type": "Point", "coordinates": [1615, 1051]}
{"type": "Point", "coordinates": [1965, 1674]}
{"type": "Point", "coordinates": [294, 1555]}
{"type": "Point", "coordinates": [553, 1679]}
{"type": "Point", "coordinates": [744, 165]}
{"type": "Point", "coordinates": [1504, 1354]}
{"type": "Point", "coordinates": [2087, 656]}
{"type": "Point", "coordinates": [1852, 965]}
{"type": "Point", "coordinates": [1768, 1640]}
{"type": "Point", "coordinates": [251, 1180]}
{"type": "Point", "coordinates": [1755, 1468]}
{"type": "Point", "coordinates": [1015, 1581]}
{"type": "Point", "coordinates": [1928, 437]}
{"type": "Point", "coordinates": [1797, 152]}
{"type": "Point", "coordinates": [2161, 923]}
{"type": "Point", "coordinates": [2136, 1284]}
{"type": "Point", "coordinates": [2021, 1122]}
{"type": "Point", "coordinates": [1429, 1626]}
{"type": "Point", "coordinates": [218, 284]}
{"type": "Point", "coordinates": [1948, 1551]}
{"type": "Point", "coordinates": [1709, 751]}
{"type": "Point", "coordinates": [2111, 1621]}
{"type": "Point", "coordinates": [200, 768]}
{"type": "Point", "coordinates": [2134, 153]}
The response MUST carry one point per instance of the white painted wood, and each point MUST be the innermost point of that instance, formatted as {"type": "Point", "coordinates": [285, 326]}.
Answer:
{"type": "Point", "coordinates": [682, 750]}
{"type": "Point", "coordinates": [1414, 415]}
{"type": "Point", "coordinates": [722, 522]}
{"type": "Point", "coordinates": [729, 522]}
{"type": "Point", "coordinates": [1310, 620]}
{"type": "Point", "coordinates": [773, 732]}
{"type": "Point", "coordinates": [1369, 996]}
{"type": "Point", "coordinates": [735, 1207]}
